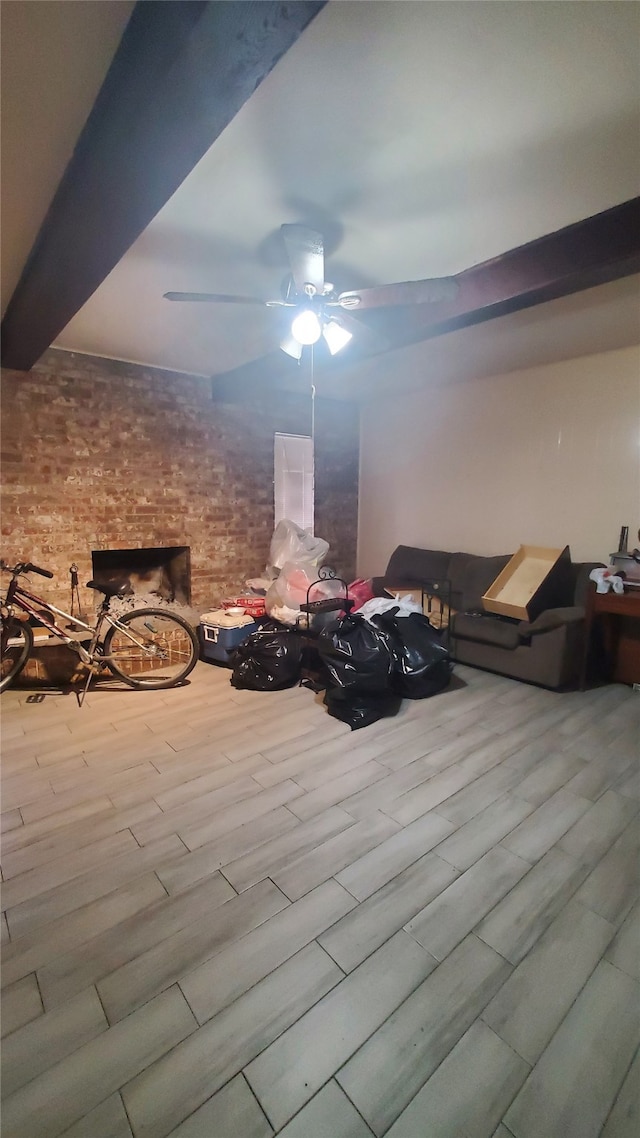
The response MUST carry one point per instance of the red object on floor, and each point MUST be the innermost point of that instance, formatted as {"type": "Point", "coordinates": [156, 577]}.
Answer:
{"type": "Point", "coordinates": [254, 606]}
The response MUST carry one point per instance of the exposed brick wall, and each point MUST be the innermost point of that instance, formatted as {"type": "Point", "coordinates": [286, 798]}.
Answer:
{"type": "Point", "coordinates": [98, 454]}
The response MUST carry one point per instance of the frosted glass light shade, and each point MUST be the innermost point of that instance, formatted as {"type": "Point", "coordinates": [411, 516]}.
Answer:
{"type": "Point", "coordinates": [336, 336]}
{"type": "Point", "coordinates": [292, 347]}
{"type": "Point", "coordinates": [306, 327]}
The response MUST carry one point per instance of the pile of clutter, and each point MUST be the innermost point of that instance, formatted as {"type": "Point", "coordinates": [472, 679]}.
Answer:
{"type": "Point", "coordinates": [366, 660]}
{"type": "Point", "coordinates": [291, 575]}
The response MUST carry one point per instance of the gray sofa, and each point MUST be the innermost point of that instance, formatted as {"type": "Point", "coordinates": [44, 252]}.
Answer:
{"type": "Point", "coordinates": [545, 651]}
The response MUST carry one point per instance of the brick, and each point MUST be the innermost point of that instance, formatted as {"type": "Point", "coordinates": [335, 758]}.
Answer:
{"type": "Point", "coordinates": [103, 455]}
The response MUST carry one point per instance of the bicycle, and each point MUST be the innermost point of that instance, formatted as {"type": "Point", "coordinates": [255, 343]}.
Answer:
{"type": "Point", "coordinates": [147, 648]}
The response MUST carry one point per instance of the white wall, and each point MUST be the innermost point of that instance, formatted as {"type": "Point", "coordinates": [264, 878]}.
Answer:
{"type": "Point", "coordinates": [547, 456]}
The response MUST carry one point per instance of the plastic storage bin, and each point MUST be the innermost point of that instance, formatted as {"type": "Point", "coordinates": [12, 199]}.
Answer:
{"type": "Point", "coordinates": [218, 643]}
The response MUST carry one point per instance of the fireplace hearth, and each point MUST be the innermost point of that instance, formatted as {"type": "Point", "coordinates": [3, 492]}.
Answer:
{"type": "Point", "coordinates": [164, 572]}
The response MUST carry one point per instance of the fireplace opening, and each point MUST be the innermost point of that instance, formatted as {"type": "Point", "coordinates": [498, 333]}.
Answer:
{"type": "Point", "coordinates": [163, 572]}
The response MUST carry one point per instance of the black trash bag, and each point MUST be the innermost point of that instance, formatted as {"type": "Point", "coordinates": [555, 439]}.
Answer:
{"type": "Point", "coordinates": [268, 660]}
{"type": "Point", "coordinates": [321, 620]}
{"type": "Point", "coordinates": [314, 672]}
{"type": "Point", "coordinates": [357, 654]}
{"type": "Point", "coordinates": [422, 665]}
{"type": "Point", "coordinates": [360, 708]}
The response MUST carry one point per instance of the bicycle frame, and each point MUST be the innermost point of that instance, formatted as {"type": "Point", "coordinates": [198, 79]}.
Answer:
{"type": "Point", "coordinates": [23, 599]}
{"type": "Point", "coordinates": [144, 648]}
{"type": "Point", "coordinates": [26, 600]}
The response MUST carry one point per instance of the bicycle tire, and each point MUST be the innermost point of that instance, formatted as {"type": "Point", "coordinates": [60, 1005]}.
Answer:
{"type": "Point", "coordinates": [17, 643]}
{"type": "Point", "coordinates": [171, 649]}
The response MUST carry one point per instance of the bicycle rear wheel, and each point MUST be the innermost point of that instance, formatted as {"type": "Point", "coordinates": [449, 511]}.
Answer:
{"type": "Point", "coordinates": [155, 649]}
{"type": "Point", "coordinates": [17, 642]}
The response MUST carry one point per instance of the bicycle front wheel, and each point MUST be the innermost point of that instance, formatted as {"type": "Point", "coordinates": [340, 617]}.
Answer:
{"type": "Point", "coordinates": [17, 642]}
{"type": "Point", "coordinates": [151, 648]}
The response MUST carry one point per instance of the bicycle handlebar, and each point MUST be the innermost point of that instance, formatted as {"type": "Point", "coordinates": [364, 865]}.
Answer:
{"type": "Point", "coordinates": [31, 568]}
{"type": "Point", "coordinates": [25, 567]}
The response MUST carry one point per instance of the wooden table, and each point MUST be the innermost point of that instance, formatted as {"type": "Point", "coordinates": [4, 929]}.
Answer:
{"type": "Point", "coordinates": [615, 618]}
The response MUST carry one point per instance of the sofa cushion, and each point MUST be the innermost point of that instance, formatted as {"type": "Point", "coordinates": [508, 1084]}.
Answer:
{"type": "Point", "coordinates": [408, 564]}
{"type": "Point", "coordinates": [486, 630]}
{"type": "Point", "coordinates": [471, 576]}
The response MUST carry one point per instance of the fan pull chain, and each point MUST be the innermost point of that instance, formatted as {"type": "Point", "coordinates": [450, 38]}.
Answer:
{"type": "Point", "coordinates": [313, 400]}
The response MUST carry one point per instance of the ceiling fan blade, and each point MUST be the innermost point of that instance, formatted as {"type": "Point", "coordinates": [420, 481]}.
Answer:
{"type": "Point", "coordinates": [305, 249]}
{"type": "Point", "coordinates": [213, 298]}
{"type": "Point", "coordinates": [405, 292]}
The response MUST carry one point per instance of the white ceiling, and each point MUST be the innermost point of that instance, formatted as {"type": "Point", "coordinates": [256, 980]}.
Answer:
{"type": "Point", "coordinates": [55, 55]}
{"type": "Point", "coordinates": [424, 137]}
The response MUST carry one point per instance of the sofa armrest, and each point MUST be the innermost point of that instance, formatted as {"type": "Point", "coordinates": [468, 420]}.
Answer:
{"type": "Point", "coordinates": [550, 619]}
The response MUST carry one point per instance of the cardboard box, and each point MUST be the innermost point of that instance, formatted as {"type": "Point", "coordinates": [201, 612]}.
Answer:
{"type": "Point", "coordinates": [437, 612]}
{"type": "Point", "coordinates": [536, 578]}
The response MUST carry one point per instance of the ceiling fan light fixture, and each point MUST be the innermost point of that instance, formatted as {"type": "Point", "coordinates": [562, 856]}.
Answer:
{"type": "Point", "coordinates": [336, 336]}
{"type": "Point", "coordinates": [292, 347]}
{"type": "Point", "coordinates": [349, 300]}
{"type": "Point", "coordinates": [306, 327]}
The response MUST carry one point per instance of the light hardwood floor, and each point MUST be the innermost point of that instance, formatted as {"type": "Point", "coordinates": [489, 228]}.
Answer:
{"type": "Point", "coordinates": [227, 916]}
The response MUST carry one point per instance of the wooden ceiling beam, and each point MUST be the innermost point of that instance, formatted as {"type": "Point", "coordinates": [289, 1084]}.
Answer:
{"type": "Point", "coordinates": [599, 249]}
{"type": "Point", "coordinates": [591, 252]}
{"type": "Point", "coordinates": [183, 69]}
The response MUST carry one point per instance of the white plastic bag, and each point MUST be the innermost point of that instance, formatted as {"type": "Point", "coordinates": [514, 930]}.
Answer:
{"type": "Point", "coordinates": [297, 580]}
{"type": "Point", "coordinates": [259, 585]}
{"type": "Point", "coordinates": [290, 587]}
{"type": "Point", "coordinates": [290, 543]}
{"type": "Point", "coordinates": [606, 579]}
{"type": "Point", "coordinates": [327, 589]}
{"type": "Point", "coordinates": [404, 605]}
{"type": "Point", "coordinates": [287, 616]}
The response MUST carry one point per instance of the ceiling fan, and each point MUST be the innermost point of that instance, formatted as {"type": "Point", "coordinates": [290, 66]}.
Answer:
{"type": "Point", "coordinates": [320, 310]}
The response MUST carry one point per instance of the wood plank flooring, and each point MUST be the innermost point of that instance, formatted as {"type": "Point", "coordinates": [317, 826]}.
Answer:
{"type": "Point", "coordinates": [227, 916]}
